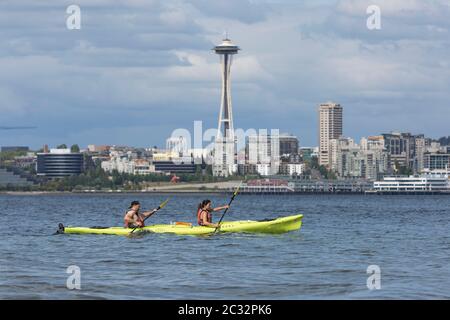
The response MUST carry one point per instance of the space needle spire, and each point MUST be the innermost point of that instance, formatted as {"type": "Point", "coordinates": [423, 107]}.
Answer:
{"type": "Point", "coordinates": [225, 145]}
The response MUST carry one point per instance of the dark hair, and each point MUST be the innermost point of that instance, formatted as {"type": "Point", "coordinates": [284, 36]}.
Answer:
{"type": "Point", "coordinates": [202, 204]}
{"type": "Point", "coordinates": [133, 203]}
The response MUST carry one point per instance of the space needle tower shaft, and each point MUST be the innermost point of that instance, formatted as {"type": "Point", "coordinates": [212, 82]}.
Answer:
{"type": "Point", "coordinates": [225, 139]}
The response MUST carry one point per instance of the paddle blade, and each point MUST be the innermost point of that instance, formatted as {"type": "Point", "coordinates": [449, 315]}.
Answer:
{"type": "Point", "coordinates": [162, 205]}
{"type": "Point", "coordinates": [237, 189]}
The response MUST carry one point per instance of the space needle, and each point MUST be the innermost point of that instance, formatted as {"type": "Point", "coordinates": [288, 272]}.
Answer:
{"type": "Point", "coordinates": [225, 144]}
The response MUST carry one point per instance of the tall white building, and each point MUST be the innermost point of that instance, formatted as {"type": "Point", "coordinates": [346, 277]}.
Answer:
{"type": "Point", "coordinates": [330, 127]}
{"type": "Point", "coordinates": [335, 150]}
{"type": "Point", "coordinates": [263, 150]}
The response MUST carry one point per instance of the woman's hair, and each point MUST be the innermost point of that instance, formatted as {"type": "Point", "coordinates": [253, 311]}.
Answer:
{"type": "Point", "coordinates": [133, 203]}
{"type": "Point", "coordinates": [202, 204]}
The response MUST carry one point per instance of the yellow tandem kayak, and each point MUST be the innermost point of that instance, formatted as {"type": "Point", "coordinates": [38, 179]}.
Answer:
{"type": "Point", "coordinates": [278, 225]}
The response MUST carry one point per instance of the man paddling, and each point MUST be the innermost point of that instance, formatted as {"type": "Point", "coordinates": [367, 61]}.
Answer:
{"type": "Point", "coordinates": [133, 218]}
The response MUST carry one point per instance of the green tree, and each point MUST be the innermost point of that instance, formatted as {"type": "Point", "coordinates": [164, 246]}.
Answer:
{"type": "Point", "coordinates": [327, 174]}
{"type": "Point", "coordinates": [75, 148]}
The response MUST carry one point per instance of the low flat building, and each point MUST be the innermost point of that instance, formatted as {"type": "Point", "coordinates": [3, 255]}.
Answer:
{"type": "Point", "coordinates": [436, 160]}
{"type": "Point", "coordinates": [98, 148]}
{"type": "Point", "coordinates": [174, 167]}
{"type": "Point", "coordinates": [26, 161]}
{"type": "Point", "coordinates": [59, 163]}
{"type": "Point", "coordinates": [436, 181]}
{"type": "Point", "coordinates": [292, 169]}
{"type": "Point", "coordinates": [143, 167]}
{"type": "Point", "coordinates": [15, 149]}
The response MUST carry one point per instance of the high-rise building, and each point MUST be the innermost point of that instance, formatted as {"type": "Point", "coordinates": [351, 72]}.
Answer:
{"type": "Point", "coordinates": [405, 150]}
{"type": "Point", "coordinates": [224, 162]}
{"type": "Point", "coordinates": [369, 160]}
{"type": "Point", "coordinates": [337, 147]}
{"type": "Point", "coordinates": [375, 157]}
{"type": "Point", "coordinates": [420, 147]}
{"type": "Point", "coordinates": [263, 151]}
{"type": "Point", "coordinates": [289, 145]}
{"type": "Point", "coordinates": [330, 127]}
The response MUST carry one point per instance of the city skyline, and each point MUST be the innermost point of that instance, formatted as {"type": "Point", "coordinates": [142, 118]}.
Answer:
{"type": "Point", "coordinates": [133, 84]}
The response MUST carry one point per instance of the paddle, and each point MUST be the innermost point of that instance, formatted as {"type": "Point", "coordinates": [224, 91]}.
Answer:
{"type": "Point", "coordinates": [229, 204]}
{"type": "Point", "coordinates": [159, 207]}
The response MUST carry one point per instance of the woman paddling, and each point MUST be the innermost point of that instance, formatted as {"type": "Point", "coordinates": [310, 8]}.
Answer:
{"type": "Point", "coordinates": [134, 219]}
{"type": "Point", "coordinates": [204, 217]}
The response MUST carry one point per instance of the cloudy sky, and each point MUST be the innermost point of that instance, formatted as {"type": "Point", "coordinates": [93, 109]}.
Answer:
{"type": "Point", "coordinates": [139, 69]}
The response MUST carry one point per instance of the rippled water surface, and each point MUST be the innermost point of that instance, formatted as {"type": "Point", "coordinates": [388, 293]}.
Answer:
{"type": "Point", "coordinates": [406, 236]}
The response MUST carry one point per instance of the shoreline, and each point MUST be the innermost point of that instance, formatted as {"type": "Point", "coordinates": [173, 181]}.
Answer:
{"type": "Point", "coordinates": [212, 191]}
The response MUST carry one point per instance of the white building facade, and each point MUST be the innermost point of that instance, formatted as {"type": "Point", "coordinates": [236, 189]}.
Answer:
{"type": "Point", "coordinates": [426, 182]}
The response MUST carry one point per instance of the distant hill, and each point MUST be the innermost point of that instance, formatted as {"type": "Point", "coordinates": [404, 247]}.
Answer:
{"type": "Point", "coordinates": [444, 141]}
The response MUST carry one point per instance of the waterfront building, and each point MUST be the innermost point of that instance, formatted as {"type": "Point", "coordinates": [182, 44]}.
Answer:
{"type": "Point", "coordinates": [266, 186]}
{"type": "Point", "coordinates": [224, 162]}
{"type": "Point", "coordinates": [59, 163]}
{"type": "Point", "coordinates": [436, 160]}
{"type": "Point", "coordinates": [429, 181]}
{"type": "Point", "coordinates": [299, 185]}
{"type": "Point", "coordinates": [330, 127]}
{"type": "Point", "coordinates": [331, 186]}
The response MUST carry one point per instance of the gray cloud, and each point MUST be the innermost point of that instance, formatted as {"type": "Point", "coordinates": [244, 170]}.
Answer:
{"type": "Point", "coordinates": [139, 69]}
{"type": "Point", "coordinates": [246, 11]}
